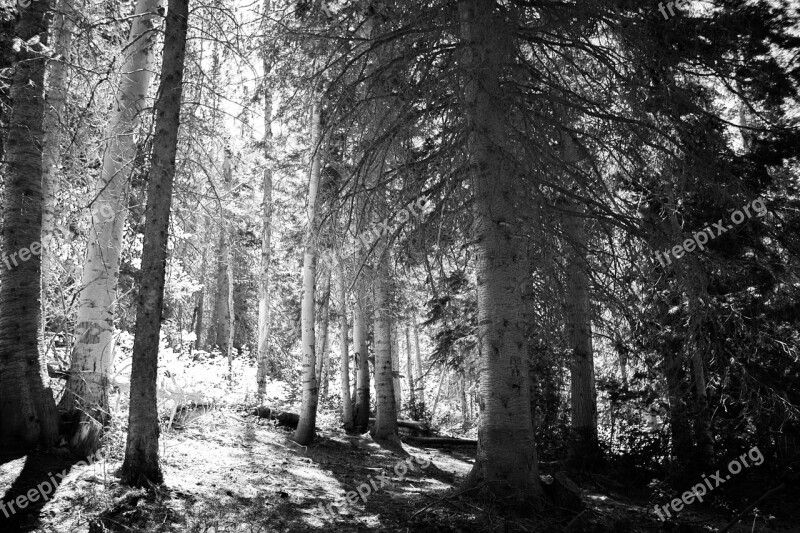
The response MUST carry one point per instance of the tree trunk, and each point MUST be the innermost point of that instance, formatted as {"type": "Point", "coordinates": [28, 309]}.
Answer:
{"type": "Point", "coordinates": [362, 360]}
{"type": "Point", "coordinates": [28, 413]}
{"type": "Point", "coordinates": [420, 381]}
{"type": "Point", "coordinates": [62, 30]}
{"type": "Point", "coordinates": [463, 391]}
{"type": "Point", "coordinates": [221, 320]}
{"type": "Point", "coordinates": [344, 355]}
{"type": "Point", "coordinates": [438, 393]}
{"type": "Point", "coordinates": [410, 369]}
{"type": "Point", "coordinates": [230, 279]}
{"type": "Point", "coordinates": [322, 354]}
{"type": "Point", "coordinates": [506, 459]}
{"type": "Point", "coordinates": [578, 329]}
{"type": "Point", "coordinates": [308, 411]}
{"type": "Point", "coordinates": [140, 467]}
{"type": "Point", "coordinates": [200, 307]}
{"type": "Point", "coordinates": [264, 314]}
{"type": "Point", "coordinates": [385, 408]}
{"type": "Point", "coordinates": [85, 398]}
{"type": "Point", "coordinates": [396, 381]}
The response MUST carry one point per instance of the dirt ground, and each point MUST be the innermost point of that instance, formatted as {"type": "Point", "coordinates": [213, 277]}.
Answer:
{"type": "Point", "coordinates": [228, 471]}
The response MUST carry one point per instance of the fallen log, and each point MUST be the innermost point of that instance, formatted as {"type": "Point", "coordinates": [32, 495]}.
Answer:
{"type": "Point", "coordinates": [284, 418]}
{"type": "Point", "coordinates": [408, 424]}
{"type": "Point", "coordinates": [439, 441]}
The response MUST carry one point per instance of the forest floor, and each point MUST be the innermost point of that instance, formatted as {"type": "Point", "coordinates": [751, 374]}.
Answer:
{"type": "Point", "coordinates": [229, 471]}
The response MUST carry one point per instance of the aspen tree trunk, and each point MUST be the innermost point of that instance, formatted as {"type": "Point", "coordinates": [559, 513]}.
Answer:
{"type": "Point", "coordinates": [264, 312]}
{"type": "Point", "coordinates": [463, 391]}
{"type": "Point", "coordinates": [264, 315]}
{"type": "Point", "coordinates": [344, 355]}
{"type": "Point", "coordinates": [200, 308]}
{"type": "Point", "coordinates": [410, 368]}
{"type": "Point", "coordinates": [85, 398]}
{"type": "Point", "coordinates": [221, 318]}
{"type": "Point", "coordinates": [62, 30]}
{"type": "Point", "coordinates": [438, 393]}
{"type": "Point", "coordinates": [385, 410]}
{"type": "Point", "coordinates": [140, 467]}
{"type": "Point", "coordinates": [420, 374]}
{"type": "Point", "coordinates": [506, 458]}
{"type": "Point", "coordinates": [396, 381]}
{"type": "Point", "coordinates": [28, 413]}
{"type": "Point", "coordinates": [308, 410]}
{"type": "Point", "coordinates": [362, 360]}
{"type": "Point", "coordinates": [322, 353]}
{"type": "Point", "coordinates": [578, 329]}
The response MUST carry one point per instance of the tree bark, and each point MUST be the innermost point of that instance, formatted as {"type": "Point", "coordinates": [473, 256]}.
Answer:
{"type": "Point", "coordinates": [385, 408]}
{"type": "Point", "coordinates": [324, 322]}
{"type": "Point", "coordinates": [28, 413]}
{"type": "Point", "coordinates": [396, 381]}
{"type": "Point", "coordinates": [410, 368]}
{"type": "Point", "coordinates": [264, 314]}
{"type": "Point", "coordinates": [308, 411]}
{"type": "Point", "coordinates": [362, 361]}
{"type": "Point", "coordinates": [62, 31]}
{"type": "Point", "coordinates": [221, 319]}
{"type": "Point", "coordinates": [344, 355]}
{"type": "Point", "coordinates": [140, 467]}
{"type": "Point", "coordinates": [85, 398]}
{"type": "Point", "coordinates": [506, 459]}
{"type": "Point", "coordinates": [578, 329]}
{"type": "Point", "coordinates": [420, 381]}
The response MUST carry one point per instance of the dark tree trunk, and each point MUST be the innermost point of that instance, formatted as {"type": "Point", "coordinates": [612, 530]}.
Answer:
{"type": "Point", "coordinates": [28, 413]}
{"type": "Point", "coordinates": [141, 451]}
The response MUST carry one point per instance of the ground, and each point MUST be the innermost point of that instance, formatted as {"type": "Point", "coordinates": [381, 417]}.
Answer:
{"type": "Point", "coordinates": [228, 471]}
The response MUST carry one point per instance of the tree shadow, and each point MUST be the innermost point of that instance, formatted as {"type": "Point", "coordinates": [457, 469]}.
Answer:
{"type": "Point", "coordinates": [34, 486]}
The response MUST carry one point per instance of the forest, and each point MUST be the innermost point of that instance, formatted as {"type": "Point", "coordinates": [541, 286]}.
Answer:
{"type": "Point", "coordinates": [399, 266]}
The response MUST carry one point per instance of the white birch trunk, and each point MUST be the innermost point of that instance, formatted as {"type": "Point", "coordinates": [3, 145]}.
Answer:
{"type": "Point", "coordinates": [86, 391]}
{"type": "Point", "coordinates": [308, 410]}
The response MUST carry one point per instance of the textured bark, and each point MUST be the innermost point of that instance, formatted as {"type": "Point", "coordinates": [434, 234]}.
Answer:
{"type": "Point", "coordinates": [410, 368]}
{"type": "Point", "coordinates": [462, 389]}
{"type": "Point", "coordinates": [506, 458]}
{"type": "Point", "coordinates": [344, 355]}
{"type": "Point", "coordinates": [220, 325]}
{"type": "Point", "coordinates": [264, 314]}
{"type": "Point", "coordinates": [420, 380]}
{"type": "Point", "coordinates": [324, 322]}
{"type": "Point", "coordinates": [62, 30]}
{"type": "Point", "coordinates": [140, 466]}
{"type": "Point", "coordinates": [385, 408]}
{"type": "Point", "coordinates": [396, 381]}
{"type": "Point", "coordinates": [200, 306]}
{"type": "Point", "coordinates": [361, 421]}
{"type": "Point", "coordinates": [28, 413]}
{"type": "Point", "coordinates": [227, 169]}
{"type": "Point", "coordinates": [578, 329]}
{"type": "Point", "coordinates": [308, 410]}
{"type": "Point", "coordinates": [85, 398]}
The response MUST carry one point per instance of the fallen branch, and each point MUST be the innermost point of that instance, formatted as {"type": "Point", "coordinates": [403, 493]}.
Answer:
{"type": "Point", "coordinates": [408, 424]}
{"type": "Point", "coordinates": [439, 441]}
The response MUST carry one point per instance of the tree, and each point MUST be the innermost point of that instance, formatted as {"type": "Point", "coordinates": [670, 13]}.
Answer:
{"type": "Point", "coordinates": [85, 399]}
{"type": "Point", "coordinates": [28, 413]}
{"type": "Point", "coordinates": [344, 355]}
{"type": "Point", "coordinates": [264, 315]}
{"type": "Point", "coordinates": [140, 466]}
{"type": "Point", "coordinates": [506, 451]}
{"type": "Point", "coordinates": [308, 410]}
{"type": "Point", "coordinates": [385, 408]}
